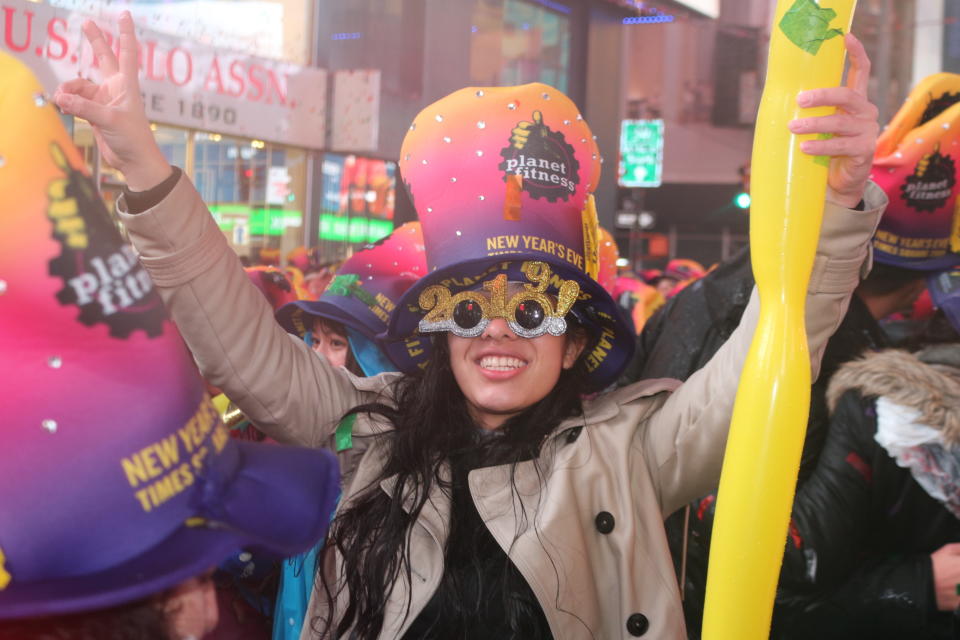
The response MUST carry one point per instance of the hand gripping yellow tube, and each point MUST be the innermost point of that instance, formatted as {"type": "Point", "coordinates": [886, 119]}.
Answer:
{"type": "Point", "coordinates": [770, 414]}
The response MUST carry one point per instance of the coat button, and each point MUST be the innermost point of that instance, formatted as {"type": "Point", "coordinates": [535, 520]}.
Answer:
{"type": "Point", "coordinates": [637, 624]}
{"type": "Point", "coordinates": [604, 522]}
{"type": "Point", "coordinates": [573, 434]}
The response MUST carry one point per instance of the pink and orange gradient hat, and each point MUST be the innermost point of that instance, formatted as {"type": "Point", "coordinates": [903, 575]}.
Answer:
{"type": "Point", "coordinates": [917, 163]}
{"type": "Point", "coordinates": [503, 177]}
{"type": "Point", "coordinates": [117, 478]}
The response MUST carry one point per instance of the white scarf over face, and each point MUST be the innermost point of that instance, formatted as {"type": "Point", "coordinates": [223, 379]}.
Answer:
{"type": "Point", "coordinates": [921, 449]}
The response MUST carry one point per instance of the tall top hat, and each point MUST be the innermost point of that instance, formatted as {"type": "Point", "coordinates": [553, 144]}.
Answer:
{"type": "Point", "coordinates": [365, 291]}
{"type": "Point", "coordinates": [502, 181]}
{"type": "Point", "coordinates": [117, 478]}
{"type": "Point", "coordinates": [917, 163]}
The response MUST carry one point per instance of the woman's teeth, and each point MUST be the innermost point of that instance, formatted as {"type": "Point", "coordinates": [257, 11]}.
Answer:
{"type": "Point", "coordinates": [501, 363]}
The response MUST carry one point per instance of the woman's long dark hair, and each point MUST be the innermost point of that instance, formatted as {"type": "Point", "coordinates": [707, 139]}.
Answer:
{"type": "Point", "coordinates": [432, 425]}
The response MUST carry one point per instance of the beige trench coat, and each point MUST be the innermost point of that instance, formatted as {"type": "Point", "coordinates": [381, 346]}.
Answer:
{"type": "Point", "coordinates": [594, 551]}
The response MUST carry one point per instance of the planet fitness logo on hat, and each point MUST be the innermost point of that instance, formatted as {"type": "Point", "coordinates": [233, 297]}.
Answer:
{"type": "Point", "coordinates": [101, 274]}
{"type": "Point", "coordinates": [931, 184]}
{"type": "Point", "coordinates": [542, 158]}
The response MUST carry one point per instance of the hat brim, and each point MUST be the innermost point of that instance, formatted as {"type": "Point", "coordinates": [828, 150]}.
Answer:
{"type": "Point", "coordinates": [280, 500]}
{"type": "Point", "coordinates": [288, 314]}
{"type": "Point", "coordinates": [610, 334]}
{"type": "Point", "coordinates": [929, 264]}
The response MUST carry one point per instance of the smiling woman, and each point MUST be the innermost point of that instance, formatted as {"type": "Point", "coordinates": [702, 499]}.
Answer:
{"type": "Point", "coordinates": [482, 496]}
{"type": "Point", "coordinates": [501, 374]}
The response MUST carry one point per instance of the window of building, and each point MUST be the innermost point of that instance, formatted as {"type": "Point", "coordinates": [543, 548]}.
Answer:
{"type": "Point", "coordinates": [519, 41]}
{"type": "Point", "coordinates": [255, 190]}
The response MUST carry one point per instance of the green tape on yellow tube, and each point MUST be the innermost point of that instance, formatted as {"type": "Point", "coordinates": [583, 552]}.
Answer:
{"type": "Point", "coordinates": [770, 415]}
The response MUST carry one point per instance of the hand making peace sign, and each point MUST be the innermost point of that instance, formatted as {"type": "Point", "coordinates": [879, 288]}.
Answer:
{"type": "Point", "coordinates": [115, 109]}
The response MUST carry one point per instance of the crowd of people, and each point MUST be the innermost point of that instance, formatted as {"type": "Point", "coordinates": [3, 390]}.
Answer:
{"type": "Point", "coordinates": [474, 428]}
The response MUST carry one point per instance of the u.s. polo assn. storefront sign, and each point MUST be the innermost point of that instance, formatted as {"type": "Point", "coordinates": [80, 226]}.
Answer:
{"type": "Point", "coordinates": [183, 83]}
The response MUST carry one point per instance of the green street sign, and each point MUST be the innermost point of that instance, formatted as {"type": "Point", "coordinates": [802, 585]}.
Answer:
{"type": "Point", "coordinates": [641, 153]}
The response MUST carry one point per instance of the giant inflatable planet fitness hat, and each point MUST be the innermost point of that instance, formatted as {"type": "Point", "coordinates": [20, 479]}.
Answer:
{"type": "Point", "coordinates": [501, 179]}
{"type": "Point", "coordinates": [363, 294]}
{"type": "Point", "coordinates": [117, 479]}
{"type": "Point", "coordinates": [917, 162]}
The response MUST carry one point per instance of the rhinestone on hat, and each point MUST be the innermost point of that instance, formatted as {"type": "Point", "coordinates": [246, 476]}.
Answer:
{"type": "Point", "coordinates": [479, 154]}
{"type": "Point", "coordinates": [479, 93]}
{"type": "Point", "coordinates": [447, 139]}
{"type": "Point", "coordinates": [481, 124]}
{"type": "Point", "coordinates": [3, 161]}
{"type": "Point", "coordinates": [459, 233]}
{"type": "Point", "coordinates": [566, 122]}
{"type": "Point", "coordinates": [429, 209]}
{"type": "Point", "coordinates": [50, 426]}
{"type": "Point", "coordinates": [579, 117]}
{"type": "Point", "coordinates": [406, 157]}
{"type": "Point", "coordinates": [55, 362]}
{"type": "Point", "coordinates": [453, 179]}
{"type": "Point", "coordinates": [39, 100]}
{"type": "Point", "coordinates": [424, 161]}
{"type": "Point", "coordinates": [481, 198]}
{"type": "Point", "coordinates": [512, 106]}
{"type": "Point", "coordinates": [438, 117]}
{"type": "Point", "coordinates": [413, 126]}
{"type": "Point", "coordinates": [545, 95]}
{"type": "Point", "coordinates": [946, 125]}
{"type": "Point", "coordinates": [919, 140]}
{"type": "Point", "coordinates": [245, 556]}
{"type": "Point", "coordinates": [3, 287]}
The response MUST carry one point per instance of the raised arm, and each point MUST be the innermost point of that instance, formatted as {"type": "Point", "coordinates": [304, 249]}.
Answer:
{"type": "Point", "coordinates": [284, 388]}
{"type": "Point", "coordinates": [684, 442]}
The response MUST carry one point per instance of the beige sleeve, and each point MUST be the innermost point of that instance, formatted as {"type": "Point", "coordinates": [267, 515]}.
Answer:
{"type": "Point", "coordinates": [684, 442]}
{"type": "Point", "coordinates": [289, 392]}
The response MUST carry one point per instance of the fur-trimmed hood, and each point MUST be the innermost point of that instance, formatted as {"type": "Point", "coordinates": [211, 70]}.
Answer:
{"type": "Point", "coordinates": [928, 381]}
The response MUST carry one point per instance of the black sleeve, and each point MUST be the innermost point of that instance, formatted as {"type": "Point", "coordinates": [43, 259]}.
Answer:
{"type": "Point", "coordinates": [891, 597]}
{"type": "Point", "coordinates": [827, 581]}
{"type": "Point", "coordinates": [140, 201]}
{"type": "Point", "coordinates": [832, 509]}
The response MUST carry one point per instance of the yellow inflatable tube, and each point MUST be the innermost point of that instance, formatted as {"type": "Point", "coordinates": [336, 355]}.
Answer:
{"type": "Point", "coordinates": [770, 415]}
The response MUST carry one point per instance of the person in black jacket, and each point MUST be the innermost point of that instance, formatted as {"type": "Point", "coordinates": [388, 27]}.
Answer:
{"type": "Point", "coordinates": [874, 552]}
{"type": "Point", "coordinates": [688, 330]}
